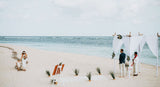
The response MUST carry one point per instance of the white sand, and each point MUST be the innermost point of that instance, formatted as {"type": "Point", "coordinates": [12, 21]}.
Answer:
{"type": "Point", "coordinates": [40, 61]}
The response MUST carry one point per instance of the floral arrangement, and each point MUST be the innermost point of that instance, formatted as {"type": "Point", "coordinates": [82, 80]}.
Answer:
{"type": "Point", "coordinates": [113, 55]}
{"type": "Point", "coordinates": [54, 81]}
{"type": "Point", "coordinates": [119, 36]}
{"type": "Point", "coordinates": [128, 58]}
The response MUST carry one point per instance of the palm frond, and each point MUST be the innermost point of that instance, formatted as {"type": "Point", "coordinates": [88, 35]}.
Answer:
{"type": "Point", "coordinates": [89, 76]}
{"type": "Point", "coordinates": [112, 75]}
{"type": "Point", "coordinates": [98, 70]}
{"type": "Point", "coordinates": [76, 71]}
{"type": "Point", "coordinates": [47, 72]}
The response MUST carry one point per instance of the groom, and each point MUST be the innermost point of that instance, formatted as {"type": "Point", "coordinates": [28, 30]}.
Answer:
{"type": "Point", "coordinates": [122, 57]}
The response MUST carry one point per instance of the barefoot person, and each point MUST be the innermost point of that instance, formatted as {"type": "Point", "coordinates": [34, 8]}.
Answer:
{"type": "Point", "coordinates": [135, 64]}
{"type": "Point", "coordinates": [122, 57]}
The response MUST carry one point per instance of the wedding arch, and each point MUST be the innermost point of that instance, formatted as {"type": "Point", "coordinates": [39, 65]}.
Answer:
{"type": "Point", "coordinates": [134, 43]}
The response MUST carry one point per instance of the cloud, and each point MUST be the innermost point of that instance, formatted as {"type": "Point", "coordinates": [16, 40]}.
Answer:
{"type": "Point", "coordinates": [79, 14]}
{"type": "Point", "coordinates": [136, 21]}
{"type": "Point", "coordinates": [2, 4]}
{"type": "Point", "coordinates": [86, 10]}
{"type": "Point", "coordinates": [101, 9]}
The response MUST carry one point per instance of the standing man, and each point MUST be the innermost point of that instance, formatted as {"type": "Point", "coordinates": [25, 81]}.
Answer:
{"type": "Point", "coordinates": [135, 64]}
{"type": "Point", "coordinates": [122, 57]}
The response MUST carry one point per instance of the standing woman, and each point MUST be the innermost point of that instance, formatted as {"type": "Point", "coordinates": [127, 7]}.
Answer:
{"type": "Point", "coordinates": [24, 60]}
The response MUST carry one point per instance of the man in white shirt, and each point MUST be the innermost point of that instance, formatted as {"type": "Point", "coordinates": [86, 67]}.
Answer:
{"type": "Point", "coordinates": [135, 64]}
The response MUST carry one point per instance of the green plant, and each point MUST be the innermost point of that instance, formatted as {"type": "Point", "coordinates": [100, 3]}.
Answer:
{"type": "Point", "coordinates": [76, 71]}
{"type": "Point", "coordinates": [89, 76]}
{"type": "Point", "coordinates": [60, 63]}
{"type": "Point", "coordinates": [128, 58]}
{"type": "Point", "coordinates": [119, 36]}
{"type": "Point", "coordinates": [53, 81]}
{"type": "Point", "coordinates": [98, 70]}
{"type": "Point", "coordinates": [48, 73]}
{"type": "Point", "coordinates": [112, 75]}
{"type": "Point", "coordinates": [113, 55]}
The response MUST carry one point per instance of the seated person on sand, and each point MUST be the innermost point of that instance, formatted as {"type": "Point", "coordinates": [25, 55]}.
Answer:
{"type": "Point", "coordinates": [58, 68]}
{"type": "Point", "coordinates": [19, 65]}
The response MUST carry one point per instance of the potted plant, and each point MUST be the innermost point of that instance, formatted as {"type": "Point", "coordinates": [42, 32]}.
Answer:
{"type": "Point", "coordinates": [112, 75]}
{"type": "Point", "coordinates": [53, 81]}
{"type": "Point", "coordinates": [76, 71]}
{"type": "Point", "coordinates": [127, 62]}
{"type": "Point", "coordinates": [119, 36]}
{"type": "Point", "coordinates": [98, 70]}
{"type": "Point", "coordinates": [113, 55]}
{"type": "Point", "coordinates": [48, 73]}
{"type": "Point", "coordinates": [128, 58]}
{"type": "Point", "coordinates": [89, 76]}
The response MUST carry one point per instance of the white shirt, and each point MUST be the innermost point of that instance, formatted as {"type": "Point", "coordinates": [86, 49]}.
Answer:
{"type": "Point", "coordinates": [136, 60]}
{"type": "Point", "coordinates": [18, 64]}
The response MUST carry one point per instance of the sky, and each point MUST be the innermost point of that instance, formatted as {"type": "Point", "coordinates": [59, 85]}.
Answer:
{"type": "Point", "coordinates": [78, 17]}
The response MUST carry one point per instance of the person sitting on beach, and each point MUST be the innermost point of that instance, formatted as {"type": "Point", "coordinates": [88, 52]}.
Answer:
{"type": "Point", "coordinates": [18, 65]}
{"type": "Point", "coordinates": [135, 64]}
{"type": "Point", "coordinates": [122, 63]}
{"type": "Point", "coordinates": [24, 60]}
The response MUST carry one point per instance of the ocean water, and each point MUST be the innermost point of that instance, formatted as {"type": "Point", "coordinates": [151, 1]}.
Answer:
{"type": "Point", "coordinates": [100, 46]}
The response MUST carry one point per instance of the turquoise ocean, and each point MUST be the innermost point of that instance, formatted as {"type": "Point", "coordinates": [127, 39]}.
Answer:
{"type": "Point", "coordinates": [100, 46]}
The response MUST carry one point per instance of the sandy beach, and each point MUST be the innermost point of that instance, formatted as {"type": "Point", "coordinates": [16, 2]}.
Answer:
{"type": "Point", "coordinates": [41, 60]}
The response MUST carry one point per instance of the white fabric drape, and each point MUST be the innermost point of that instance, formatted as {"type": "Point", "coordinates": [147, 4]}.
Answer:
{"type": "Point", "coordinates": [134, 43]}
{"type": "Point", "coordinates": [131, 44]}
{"type": "Point", "coordinates": [152, 42]}
{"type": "Point", "coordinates": [126, 41]}
{"type": "Point", "coordinates": [117, 43]}
{"type": "Point", "coordinates": [141, 45]}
